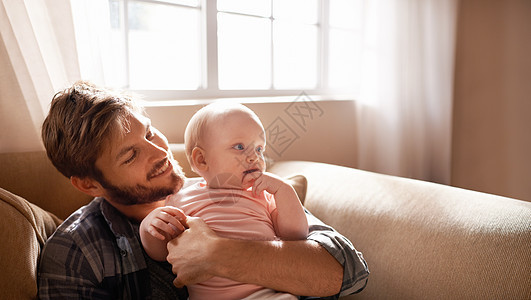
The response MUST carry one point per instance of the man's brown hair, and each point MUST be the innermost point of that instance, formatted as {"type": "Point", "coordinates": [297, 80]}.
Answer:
{"type": "Point", "coordinates": [81, 120]}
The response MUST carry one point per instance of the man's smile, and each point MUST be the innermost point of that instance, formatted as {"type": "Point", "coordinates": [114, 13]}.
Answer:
{"type": "Point", "coordinates": [160, 168]}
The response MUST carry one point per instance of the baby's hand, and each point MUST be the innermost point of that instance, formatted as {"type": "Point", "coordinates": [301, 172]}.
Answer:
{"type": "Point", "coordinates": [269, 182]}
{"type": "Point", "coordinates": [164, 223]}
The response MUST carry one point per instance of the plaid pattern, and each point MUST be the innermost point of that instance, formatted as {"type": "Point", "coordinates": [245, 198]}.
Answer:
{"type": "Point", "coordinates": [96, 254]}
{"type": "Point", "coordinates": [355, 270]}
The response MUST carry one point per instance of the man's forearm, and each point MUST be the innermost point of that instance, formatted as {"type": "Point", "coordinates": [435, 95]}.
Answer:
{"type": "Point", "coordinates": [298, 267]}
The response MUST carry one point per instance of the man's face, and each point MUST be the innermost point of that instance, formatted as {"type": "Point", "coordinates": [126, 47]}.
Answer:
{"type": "Point", "coordinates": [138, 166]}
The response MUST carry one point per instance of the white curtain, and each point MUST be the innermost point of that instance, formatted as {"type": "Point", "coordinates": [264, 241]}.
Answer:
{"type": "Point", "coordinates": [100, 48]}
{"type": "Point", "coordinates": [404, 110]}
{"type": "Point", "coordinates": [38, 57]}
{"type": "Point", "coordinates": [45, 46]}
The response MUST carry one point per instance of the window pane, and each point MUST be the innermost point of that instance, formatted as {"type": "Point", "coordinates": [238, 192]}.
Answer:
{"type": "Point", "coordinates": [117, 65]}
{"type": "Point", "coordinates": [164, 47]}
{"type": "Point", "coordinates": [295, 56]}
{"type": "Point", "coordinates": [343, 60]}
{"type": "Point", "coordinates": [252, 7]}
{"type": "Point", "coordinates": [194, 3]}
{"type": "Point", "coordinates": [346, 13]}
{"type": "Point", "coordinates": [305, 11]}
{"type": "Point", "coordinates": [244, 52]}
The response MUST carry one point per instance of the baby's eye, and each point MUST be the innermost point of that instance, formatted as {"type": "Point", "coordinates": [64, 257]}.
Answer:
{"type": "Point", "coordinates": [260, 149]}
{"type": "Point", "coordinates": [238, 147]}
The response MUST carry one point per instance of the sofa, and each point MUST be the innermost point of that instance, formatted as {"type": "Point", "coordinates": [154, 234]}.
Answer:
{"type": "Point", "coordinates": [421, 240]}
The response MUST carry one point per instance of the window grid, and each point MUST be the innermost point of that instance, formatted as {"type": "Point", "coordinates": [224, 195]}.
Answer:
{"type": "Point", "coordinates": [209, 59]}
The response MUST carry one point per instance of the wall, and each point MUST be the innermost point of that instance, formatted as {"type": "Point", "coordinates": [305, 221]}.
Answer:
{"type": "Point", "coordinates": [492, 101]}
{"type": "Point", "coordinates": [327, 135]}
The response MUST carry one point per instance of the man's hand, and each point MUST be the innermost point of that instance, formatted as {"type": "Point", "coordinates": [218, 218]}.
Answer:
{"type": "Point", "coordinates": [191, 253]}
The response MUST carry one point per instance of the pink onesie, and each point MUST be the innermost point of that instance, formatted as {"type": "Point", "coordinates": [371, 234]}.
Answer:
{"type": "Point", "coordinates": [230, 213]}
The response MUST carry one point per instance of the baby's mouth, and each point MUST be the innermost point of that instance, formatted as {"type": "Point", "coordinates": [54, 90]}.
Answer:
{"type": "Point", "coordinates": [254, 173]}
{"type": "Point", "coordinates": [251, 171]}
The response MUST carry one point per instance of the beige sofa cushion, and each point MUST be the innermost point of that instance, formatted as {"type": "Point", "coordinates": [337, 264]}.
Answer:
{"type": "Point", "coordinates": [423, 240]}
{"type": "Point", "coordinates": [300, 184]}
{"type": "Point", "coordinates": [24, 227]}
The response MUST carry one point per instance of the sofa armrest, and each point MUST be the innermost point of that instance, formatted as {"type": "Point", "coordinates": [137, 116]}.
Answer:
{"type": "Point", "coordinates": [25, 228]}
{"type": "Point", "coordinates": [423, 240]}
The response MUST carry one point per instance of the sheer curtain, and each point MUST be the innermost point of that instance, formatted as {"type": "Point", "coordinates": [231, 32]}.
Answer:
{"type": "Point", "coordinates": [38, 57]}
{"type": "Point", "coordinates": [404, 111]}
{"type": "Point", "coordinates": [45, 46]}
{"type": "Point", "coordinates": [99, 45]}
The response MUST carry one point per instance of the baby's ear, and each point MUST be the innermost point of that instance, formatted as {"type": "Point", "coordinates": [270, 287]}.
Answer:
{"type": "Point", "coordinates": [198, 159]}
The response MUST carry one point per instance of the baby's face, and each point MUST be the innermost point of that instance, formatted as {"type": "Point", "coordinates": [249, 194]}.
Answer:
{"type": "Point", "coordinates": [234, 147]}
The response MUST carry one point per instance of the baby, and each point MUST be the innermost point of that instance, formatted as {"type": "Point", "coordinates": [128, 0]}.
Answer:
{"type": "Point", "coordinates": [225, 144]}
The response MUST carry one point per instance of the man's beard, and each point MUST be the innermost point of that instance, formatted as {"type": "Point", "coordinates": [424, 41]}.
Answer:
{"type": "Point", "coordinates": [140, 194]}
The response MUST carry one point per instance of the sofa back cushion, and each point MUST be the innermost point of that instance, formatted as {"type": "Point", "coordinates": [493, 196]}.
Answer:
{"type": "Point", "coordinates": [32, 176]}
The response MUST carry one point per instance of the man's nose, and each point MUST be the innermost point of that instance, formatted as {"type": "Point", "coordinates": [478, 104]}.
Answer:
{"type": "Point", "coordinates": [157, 152]}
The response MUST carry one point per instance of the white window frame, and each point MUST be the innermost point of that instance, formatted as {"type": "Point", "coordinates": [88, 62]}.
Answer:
{"type": "Point", "coordinates": [209, 62]}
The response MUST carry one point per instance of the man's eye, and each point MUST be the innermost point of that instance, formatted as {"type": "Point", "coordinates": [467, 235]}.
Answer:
{"type": "Point", "coordinates": [149, 135]}
{"type": "Point", "coordinates": [131, 158]}
{"type": "Point", "coordinates": [238, 147]}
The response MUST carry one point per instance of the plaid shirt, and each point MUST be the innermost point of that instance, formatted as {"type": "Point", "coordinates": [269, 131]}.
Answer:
{"type": "Point", "coordinates": [96, 254]}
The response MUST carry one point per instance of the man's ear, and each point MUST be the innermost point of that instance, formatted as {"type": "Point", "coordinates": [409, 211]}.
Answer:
{"type": "Point", "coordinates": [87, 185]}
{"type": "Point", "coordinates": [198, 159]}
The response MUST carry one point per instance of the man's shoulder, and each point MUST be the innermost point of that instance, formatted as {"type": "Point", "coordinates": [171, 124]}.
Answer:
{"type": "Point", "coordinates": [86, 220]}
{"type": "Point", "coordinates": [84, 233]}
{"type": "Point", "coordinates": [78, 248]}
{"type": "Point", "coordinates": [85, 214]}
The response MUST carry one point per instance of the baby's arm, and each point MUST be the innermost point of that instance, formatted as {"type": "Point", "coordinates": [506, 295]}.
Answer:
{"type": "Point", "coordinates": [289, 218]}
{"type": "Point", "coordinates": [159, 227]}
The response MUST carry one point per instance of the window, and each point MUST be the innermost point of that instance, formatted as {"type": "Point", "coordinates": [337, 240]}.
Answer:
{"type": "Point", "coordinates": [176, 49]}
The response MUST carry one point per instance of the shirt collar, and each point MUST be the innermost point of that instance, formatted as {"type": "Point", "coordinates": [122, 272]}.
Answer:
{"type": "Point", "coordinates": [127, 237]}
{"type": "Point", "coordinates": [118, 222]}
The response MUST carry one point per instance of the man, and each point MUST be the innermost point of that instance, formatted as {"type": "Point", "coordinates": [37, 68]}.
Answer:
{"type": "Point", "coordinates": [101, 140]}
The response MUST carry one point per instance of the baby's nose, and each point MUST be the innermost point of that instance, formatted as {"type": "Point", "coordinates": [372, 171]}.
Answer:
{"type": "Point", "coordinates": [252, 156]}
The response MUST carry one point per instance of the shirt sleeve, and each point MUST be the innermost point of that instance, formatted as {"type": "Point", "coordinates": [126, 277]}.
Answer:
{"type": "Point", "coordinates": [355, 270]}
